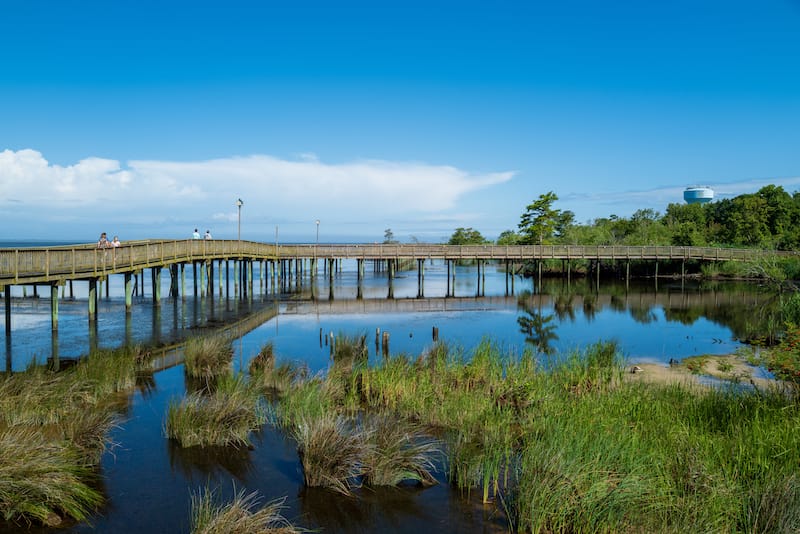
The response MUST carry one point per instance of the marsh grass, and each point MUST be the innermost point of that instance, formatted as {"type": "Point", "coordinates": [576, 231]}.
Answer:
{"type": "Point", "coordinates": [43, 480]}
{"type": "Point", "coordinates": [400, 452]}
{"type": "Point", "coordinates": [561, 444]}
{"type": "Point", "coordinates": [242, 514]}
{"type": "Point", "coordinates": [275, 379]}
{"type": "Point", "coordinates": [207, 357]}
{"type": "Point", "coordinates": [225, 417]}
{"type": "Point", "coordinates": [264, 361]}
{"type": "Point", "coordinates": [332, 451]}
{"type": "Point", "coordinates": [54, 428]}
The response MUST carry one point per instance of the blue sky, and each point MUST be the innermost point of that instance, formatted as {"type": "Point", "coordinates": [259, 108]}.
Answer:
{"type": "Point", "coordinates": [148, 119]}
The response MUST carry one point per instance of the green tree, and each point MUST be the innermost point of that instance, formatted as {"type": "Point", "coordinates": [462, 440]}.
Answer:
{"type": "Point", "coordinates": [388, 237]}
{"type": "Point", "coordinates": [539, 222]}
{"type": "Point", "coordinates": [466, 236]}
{"type": "Point", "coordinates": [508, 237]}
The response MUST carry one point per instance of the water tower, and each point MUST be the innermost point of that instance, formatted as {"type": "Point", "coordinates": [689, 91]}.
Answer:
{"type": "Point", "coordinates": [698, 194]}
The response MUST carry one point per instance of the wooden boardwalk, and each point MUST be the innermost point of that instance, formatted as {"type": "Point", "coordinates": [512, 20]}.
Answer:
{"type": "Point", "coordinates": [55, 265]}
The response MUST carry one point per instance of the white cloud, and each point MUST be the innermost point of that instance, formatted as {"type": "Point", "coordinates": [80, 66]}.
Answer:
{"type": "Point", "coordinates": [272, 188]}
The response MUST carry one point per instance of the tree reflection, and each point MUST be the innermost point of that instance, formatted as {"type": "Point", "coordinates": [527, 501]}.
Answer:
{"type": "Point", "coordinates": [564, 308]}
{"type": "Point", "coordinates": [589, 307]}
{"type": "Point", "coordinates": [643, 314]}
{"type": "Point", "coordinates": [538, 329]}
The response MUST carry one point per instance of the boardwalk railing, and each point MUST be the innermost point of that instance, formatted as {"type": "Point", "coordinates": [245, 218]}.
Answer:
{"type": "Point", "coordinates": [53, 264]}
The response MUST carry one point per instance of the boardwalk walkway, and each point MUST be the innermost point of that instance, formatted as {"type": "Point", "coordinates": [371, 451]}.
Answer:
{"type": "Point", "coordinates": [84, 262]}
{"type": "Point", "coordinates": [56, 267]}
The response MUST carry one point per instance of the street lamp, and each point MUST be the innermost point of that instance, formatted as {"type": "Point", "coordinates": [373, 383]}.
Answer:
{"type": "Point", "coordinates": [317, 232]}
{"type": "Point", "coordinates": [239, 205]}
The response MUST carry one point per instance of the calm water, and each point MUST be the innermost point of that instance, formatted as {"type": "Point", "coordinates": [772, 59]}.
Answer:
{"type": "Point", "coordinates": [148, 481]}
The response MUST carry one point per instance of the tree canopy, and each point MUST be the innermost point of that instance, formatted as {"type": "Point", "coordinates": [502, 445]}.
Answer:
{"type": "Point", "coordinates": [466, 236]}
{"type": "Point", "coordinates": [768, 218]}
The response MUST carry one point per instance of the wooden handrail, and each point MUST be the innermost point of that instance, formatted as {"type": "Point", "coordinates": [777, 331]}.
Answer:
{"type": "Point", "coordinates": [44, 264]}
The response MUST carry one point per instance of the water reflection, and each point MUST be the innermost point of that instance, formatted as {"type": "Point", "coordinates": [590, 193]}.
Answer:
{"type": "Point", "coordinates": [199, 464]}
{"type": "Point", "coordinates": [538, 328]}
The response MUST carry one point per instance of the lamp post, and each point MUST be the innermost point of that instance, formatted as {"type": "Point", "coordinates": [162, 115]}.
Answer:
{"type": "Point", "coordinates": [239, 205]}
{"type": "Point", "coordinates": [317, 232]}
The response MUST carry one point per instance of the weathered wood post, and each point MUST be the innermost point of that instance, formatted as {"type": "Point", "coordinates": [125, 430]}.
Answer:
{"type": "Point", "coordinates": [219, 275]}
{"type": "Point", "coordinates": [92, 299]}
{"type": "Point", "coordinates": [385, 345]}
{"type": "Point", "coordinates": [360, 277]}
{"type": "Point", "coordinates": [235, 278]}
{"type": "Point", "coordinates": [447, 291]}
{"type": "Point", "coordinates": [478, 282]}
{"type": "Point", "coordinates": [54, 307]}
{"type": "Point", "coordinates": [194, 277]}
{"type": "Point", "coordinates": [250, 277]}
{"type": "Point", "coordinates": [420, 269]}
{"type": "Point", "coordinates": [210, 283]}
{"type": "Point", "coordinates": [483, 277]}
{"type": "Point", "coordinates": [7, 299]}
{"type": "Point", "coordinates": [156, 273]}
{"type": "Point", "coordinates": [390, 270]}
{"type": "Point", "coordinates": [435, 333]}
{"type": "Point", "coordinates": [453, 291]}
{"type": "Point", "coordinates": [203, 278]}
{"type": "Point", "coordinates": [128, 293]}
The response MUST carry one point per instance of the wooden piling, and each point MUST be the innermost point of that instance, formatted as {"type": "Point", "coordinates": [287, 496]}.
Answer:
{"type": "Point", "coordinates": [385, 344]}
{"type": "Point", "coordinates": [54, 307]}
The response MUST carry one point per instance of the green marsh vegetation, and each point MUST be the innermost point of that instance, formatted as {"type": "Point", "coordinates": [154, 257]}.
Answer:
{"type": "Point", "coordinates": [53, 430]}
{"type": "Point", "coordinates": [242, 514]}
{"type": "Point", "coordinates": [207, 357]}
{"type": "Point", "coordinates": [559, 443]}
{"type": "Point", "coordinates": [225, 416]}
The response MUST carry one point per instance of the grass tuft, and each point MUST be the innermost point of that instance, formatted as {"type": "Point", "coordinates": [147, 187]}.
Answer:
{"type": "Point", "coordinates": [331, 451]}
{"type": "Point", "coordinates": [240, 515]}
{"type": "Point", "coordinates": [207, 357]}
{"type": "Point", "coordinates": [226, 417]}
{"type": "Point", "coordinates": [43, 480]}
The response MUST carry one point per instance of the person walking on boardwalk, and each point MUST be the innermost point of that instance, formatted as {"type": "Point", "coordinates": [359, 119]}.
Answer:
{"type": "Point", "coordinates": [196, 234]}
{"type": "Point", "coordinates": [208, 235]}
{"type": "Point", "coordinates": [103, 241]}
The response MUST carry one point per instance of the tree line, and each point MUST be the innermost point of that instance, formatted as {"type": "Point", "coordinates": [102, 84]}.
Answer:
{"type": "Point", "coordinates": [769, 219]}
